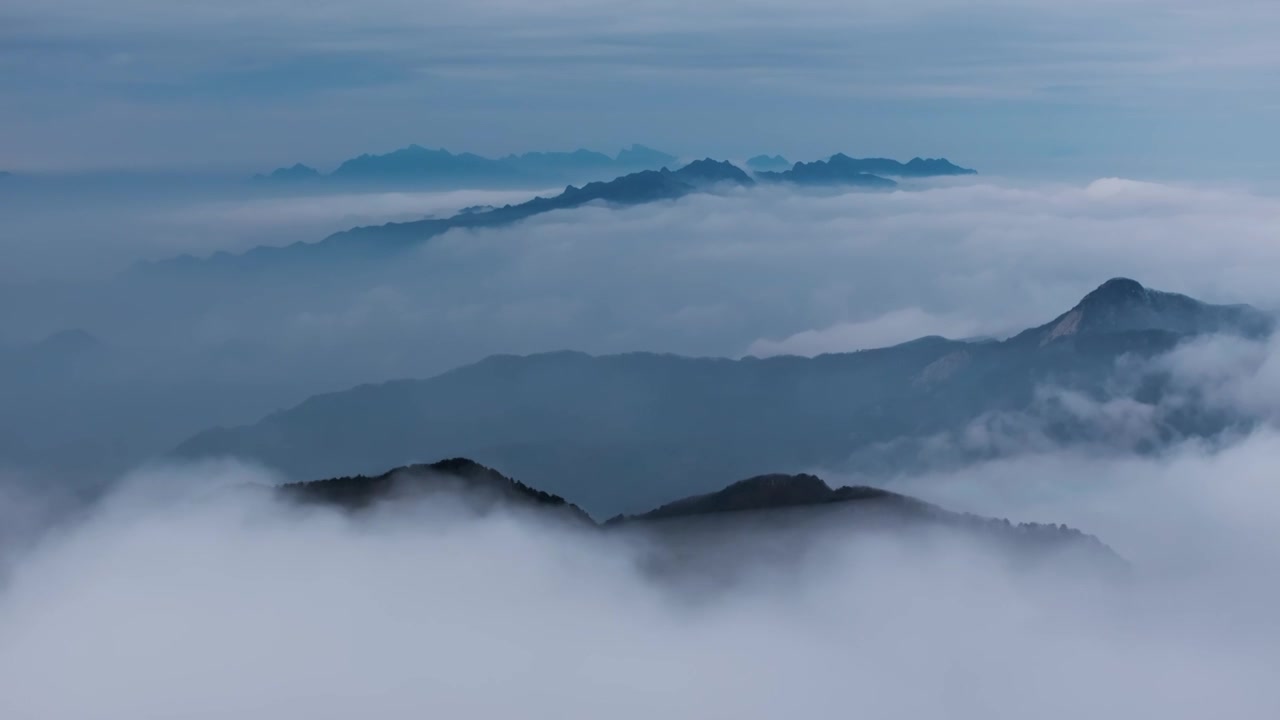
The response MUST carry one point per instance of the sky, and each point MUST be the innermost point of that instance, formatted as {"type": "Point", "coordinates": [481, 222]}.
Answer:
{"type": "Point", "coordinates": [1141, 88]}
{"type": "Point", "coordinates": [1114, 138]}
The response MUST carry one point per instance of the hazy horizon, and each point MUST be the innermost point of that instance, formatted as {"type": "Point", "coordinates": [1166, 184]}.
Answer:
{"type": "Point", "coordinates": [1145, 88]}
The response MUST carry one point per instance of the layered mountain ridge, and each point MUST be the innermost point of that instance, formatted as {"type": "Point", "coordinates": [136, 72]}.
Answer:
{"type": "Point", "coordinates": [840, 169]}
{"type": "Point", "coordinates": [644, 186]}
{"type": "Point", "coordinates": [420, 165]}
{"type": "Point", "coordinates": [372, 241]}
{"type": "Point", "coordinates": [774, 510]}
{"type": "Point", "coordinates": [664, 426]}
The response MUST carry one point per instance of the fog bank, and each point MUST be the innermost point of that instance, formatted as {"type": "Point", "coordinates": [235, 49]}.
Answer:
{"type": "Point", "coordinates": [188, 594]}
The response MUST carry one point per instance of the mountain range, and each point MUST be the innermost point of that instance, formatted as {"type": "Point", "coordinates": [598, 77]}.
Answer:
{"type": "Point", "coordinates": [419, 165]}
{"type": "Point", "coordinates": [378, 240]}
{"type": "Point", "coordinates": [774, 516]}
{"type": "Point", "coordinates": [295, 173]}
{"type": "Point", "coordinates": [631, 189]}
{"type": "Point", "coordinates": [623, 432]}
{"type": "Point", "coordinates": [840, 169]}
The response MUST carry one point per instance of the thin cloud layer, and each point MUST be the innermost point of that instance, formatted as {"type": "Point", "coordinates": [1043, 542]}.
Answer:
{"type": "Point", "coordinates": [896, 326]}
{"type": "Point", "coordinates": [1024, 86]}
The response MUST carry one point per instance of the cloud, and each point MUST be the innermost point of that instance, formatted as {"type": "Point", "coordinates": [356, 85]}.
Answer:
{"type": "Point", "coordinates": [1181, 511]}
{"type": "Point", "coordinates": [1012, 84]}
{"type": "Point", "coordinates": [893, 327]}
{"type": "Point", "coordinates": [1213, 392]}
{"type": "Point", "coordinates": [719, 275]}
{"type": "Point", "coordinates": [190, 593]}
{"type": "Point", "coordinates": [1229, 373]}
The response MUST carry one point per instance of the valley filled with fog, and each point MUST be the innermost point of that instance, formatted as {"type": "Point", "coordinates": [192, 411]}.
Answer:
{"type": "Point", "coordinates": [128, 562]}
{"type": "Point", "coordinates": [158, 356]}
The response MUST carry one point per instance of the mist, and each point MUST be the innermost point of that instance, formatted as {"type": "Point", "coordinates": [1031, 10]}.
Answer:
{"type": "Point", "coordinates": [1131, 87]}
{"type": "Point", "coordinates": [191, 579]}
{"type": "Point", "coordinates": [761, 271]}
{"type": "Point", "coordinates": [191, 592]}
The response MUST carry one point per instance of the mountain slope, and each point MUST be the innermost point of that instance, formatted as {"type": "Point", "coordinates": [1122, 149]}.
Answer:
{"type": "Point", "coordinates": [663, 426]}
{"type": "Point", "coordinates": [1123, 305]}
{"type": "Point", "coordinates": [752, 518]}
{"type": "Point", "coordinates": [457, 476]}
{"type": "Point", "coordinates": [417, 165]}
{"type": "Point", "coordinates": [296, 173]}
{"type": "Point", "coordinates": [772, 492]}
{"type": "Point", "coordinates": [840, 169]}
{"type": "Point", "coordinates": [789, 520]}
{"type": "Point", "coordinates": [380, 240]}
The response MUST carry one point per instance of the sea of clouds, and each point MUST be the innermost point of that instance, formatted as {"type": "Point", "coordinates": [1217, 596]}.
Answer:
{"type": "Point", "coordinates": [185, 593]}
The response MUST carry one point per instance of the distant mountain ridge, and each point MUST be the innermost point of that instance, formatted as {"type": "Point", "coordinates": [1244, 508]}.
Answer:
{"type": "Point", "coordinates": [749, 511]}
{"type": "Point", "coordinates": [295, 173]}
{"type": "Point", "coordinates": [418, 164]}
{"type": "Point", "coordinates": [632, 189]}
{"type": "Point", "coordinates": [453, 474]}
{"type": "Point", "coordinates": [663, 426]}
{"type": "Point", "coordinates": [840, 169]}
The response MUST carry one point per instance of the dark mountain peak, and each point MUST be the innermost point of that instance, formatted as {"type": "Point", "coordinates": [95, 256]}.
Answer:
{"type": "Point", "coordinates": [843, 169]}
{"type": "Point", "coordinates": [707, 171]}
{"type": "Point", "coordinates": [1124, 305]}
{"type": "Point", "coordinates": [1118, 290]}
{"type": "Point", "coordinates": [922, 167]}
{"type": "Point", "coordinates": [779, 487]}
{"type": "Point", "coordinates": [297, 171]}
{"type": "Point", "coordinates": [839, 169]}
{"type": "Point", "coordinates": [461, 466]}
{"type": "Point", "coordinates": [767, 492]}
{"type": "Point", "coordinates": [758, 506]}
{"type": "Point", "coordinates": [634, 188]}
{"type": "Point", "coordinates": [294, 173]}
{"type": "Point", "coordinates": [457, 475]}
{"type": "Point", "coordinates": [803, 507]}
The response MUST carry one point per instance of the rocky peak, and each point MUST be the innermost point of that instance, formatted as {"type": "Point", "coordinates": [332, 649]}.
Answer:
{"type": "Point", "coordinates": [707, 171]}
{"type": "Point", "coordinates": [1124, 305]}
